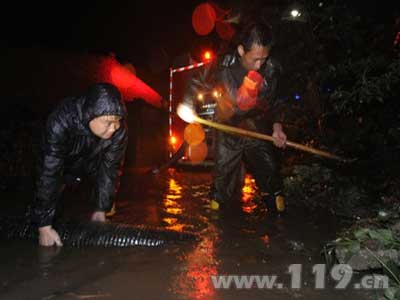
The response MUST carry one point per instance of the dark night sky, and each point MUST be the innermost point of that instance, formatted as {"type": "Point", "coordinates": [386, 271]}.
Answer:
{"type": "Point", "coordinates": [143, 33]}
{"type": "Point", "coordinates": [132, 30]}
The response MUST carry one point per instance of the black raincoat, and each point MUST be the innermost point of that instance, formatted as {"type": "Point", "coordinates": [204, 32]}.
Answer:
{"type": "Point", "coordinates": [68, 147]}
{"type": "Point", "coordinates": [235, 154]}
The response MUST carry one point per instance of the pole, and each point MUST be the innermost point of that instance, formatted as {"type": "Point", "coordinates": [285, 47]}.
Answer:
{"type": "Point", "coordinates": [248, 133]}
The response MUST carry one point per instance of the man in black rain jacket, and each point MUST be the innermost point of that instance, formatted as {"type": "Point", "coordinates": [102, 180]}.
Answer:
{"type": "Point", "coordinates": [83, 135]}
{"type": "Point", "coordinates": [247, 79]}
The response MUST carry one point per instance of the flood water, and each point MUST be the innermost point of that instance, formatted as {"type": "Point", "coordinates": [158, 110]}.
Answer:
{"type": "Point", "coordinates": [242, 241]}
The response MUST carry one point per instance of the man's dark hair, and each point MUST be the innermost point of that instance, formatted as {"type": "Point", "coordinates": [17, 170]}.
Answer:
{"type": "Point", "coordinates": [255, 33]}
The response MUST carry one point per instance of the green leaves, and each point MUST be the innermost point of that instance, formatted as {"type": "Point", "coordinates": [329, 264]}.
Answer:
{"type": "Point", "coordinates": [367, 82]}
{"type": "Point", "coordinates": [392, 293]}
{"type": "Point", "coordinates": [384, 237]}
{"type": "Point", "coordinates": [362, 234]}
{"type": "Point", "coordinates": [392, 270]}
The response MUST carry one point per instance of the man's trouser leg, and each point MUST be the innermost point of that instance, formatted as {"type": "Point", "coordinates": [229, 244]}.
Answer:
{"type": "Point", "coordinates": [264, 163]}
{"type": "Point", "coordinates": [227, 168]}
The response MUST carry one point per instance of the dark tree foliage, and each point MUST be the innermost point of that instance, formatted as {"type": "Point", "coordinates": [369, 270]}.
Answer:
{"type": "Point", "coordinates": [343, 63]}
{"type": "Point", "coordinates": [341, 59]}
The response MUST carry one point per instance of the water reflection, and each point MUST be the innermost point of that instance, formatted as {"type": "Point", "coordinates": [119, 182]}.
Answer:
{"type": "Point", "coordinates": [172, 206]}
{"type": "Point", "coordinates": [174, 210]}
{"type": "Point", "coordinates": [200, 264]}
{"type": "Point", "coordinates": [249, 191]}
{"type": "Point", "coordinates": [174, 187]}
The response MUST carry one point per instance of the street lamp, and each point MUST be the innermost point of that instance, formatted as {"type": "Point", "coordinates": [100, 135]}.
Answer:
{"type": "Point", "coordinates": [295, 12]}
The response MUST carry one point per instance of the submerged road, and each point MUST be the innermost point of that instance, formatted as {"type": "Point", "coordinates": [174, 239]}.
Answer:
{"type": "Point", "coordinates": [243, 252]}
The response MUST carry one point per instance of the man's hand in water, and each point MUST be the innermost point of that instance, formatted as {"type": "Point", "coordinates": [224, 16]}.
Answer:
{"type": "Point", "coordinates": [49, 237]}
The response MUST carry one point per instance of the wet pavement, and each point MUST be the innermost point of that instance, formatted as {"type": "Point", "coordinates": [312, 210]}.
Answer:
{"type": "Point", "coordinates": [244, 240]}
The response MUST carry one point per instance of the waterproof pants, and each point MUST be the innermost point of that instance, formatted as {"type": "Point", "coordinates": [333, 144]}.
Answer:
{"type": "Point", "coordinates": [260, 158]}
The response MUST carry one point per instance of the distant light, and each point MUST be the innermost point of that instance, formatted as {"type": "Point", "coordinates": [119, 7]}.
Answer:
{"type": "Point", "coordinates": [297, 97]}
{"type": "Point", "coordinates": [200, 97]}
{"type": "Point", "coordinates": [207, 55]}
{"type": "Point", "coordinates": [173, 140]}
{"type": "Point", "coordinates": [295, 13]}
{"type": "Point", "coordinates": [216, 94]}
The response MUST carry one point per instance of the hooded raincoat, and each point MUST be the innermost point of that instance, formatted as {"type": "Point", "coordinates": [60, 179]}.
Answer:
{"type": "Point", "coordinates": [68, 147]}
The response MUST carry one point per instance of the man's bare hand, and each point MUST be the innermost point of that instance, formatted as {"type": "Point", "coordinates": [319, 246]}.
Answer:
{"type": "Point", "coordinates": [279, 136]}
{"type": "Point", "coordinates": [49, 237]}
{"type": "Point", "coordinates": [99, 216]}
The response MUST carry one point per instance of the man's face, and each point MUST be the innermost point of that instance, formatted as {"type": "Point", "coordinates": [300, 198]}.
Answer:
{"type": "Point", "coordinates": [105, 126]}
{"type": "Point", "coordinates": [253, 59]}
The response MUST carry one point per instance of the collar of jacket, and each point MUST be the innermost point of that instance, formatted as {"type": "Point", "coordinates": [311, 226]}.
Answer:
{"type": "Point", "coordinates": [238, 72]}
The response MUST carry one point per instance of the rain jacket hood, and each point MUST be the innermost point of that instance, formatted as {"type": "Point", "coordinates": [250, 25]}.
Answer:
{"type": "Point", "coordinates": [100, 100]}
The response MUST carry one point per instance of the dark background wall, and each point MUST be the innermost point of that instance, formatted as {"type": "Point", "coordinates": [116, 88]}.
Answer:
{"type": "Point", "coordinates": [148, 130]}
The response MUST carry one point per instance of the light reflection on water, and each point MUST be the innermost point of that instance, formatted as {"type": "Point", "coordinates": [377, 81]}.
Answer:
{"type": "Point", "coordinates": [194, 282]}
{"type": "Point", "coordinates": [194, 279]}
{"type": "Point", "coordinates": [249, 191]}
{"type": "Point", "coordinates": [173, 210]}
{"type": "Point", "coordinates": [172, 206]}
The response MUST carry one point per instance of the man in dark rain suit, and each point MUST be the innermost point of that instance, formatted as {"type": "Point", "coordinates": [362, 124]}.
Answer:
{"type": "Point", "coordinates": [83, 135]}
{"type": "Point", "coordinates": [248, 79]}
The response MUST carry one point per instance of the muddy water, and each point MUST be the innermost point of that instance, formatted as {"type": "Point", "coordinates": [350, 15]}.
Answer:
{"type": "Point", "coordinates": [243, 239]}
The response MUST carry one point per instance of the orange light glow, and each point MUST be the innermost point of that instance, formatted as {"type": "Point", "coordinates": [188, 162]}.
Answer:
{"type": "Point", "coordinates": [173, 197]}
{"type": "Point", "coordinates": [195, 281]}
{"type": "Point", "coordinates": [175, 186]}
{"type": "Point", "coordinates": [173, 140]}
{"type": "Point", "coordinates": [248, 194]}
{"type": "Point", "coordinates": [171, 202]}
{"type": "Point", "coordinates": [197, 153]}
{"type": "Point", "coordinates": [173, 224]}
{"type": "Point", "coordinates": [194, 134]}
{"type": "Point", "coordinates": [177, 227]}
{"type": "Point", "coordinates": [207, 55]}
{"type": "Point", "coordinates": [174, 210]}
{"type": "Point", "coordinates": [170, 221]}
{"type": "Point", "coordinates": [216, 94]}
